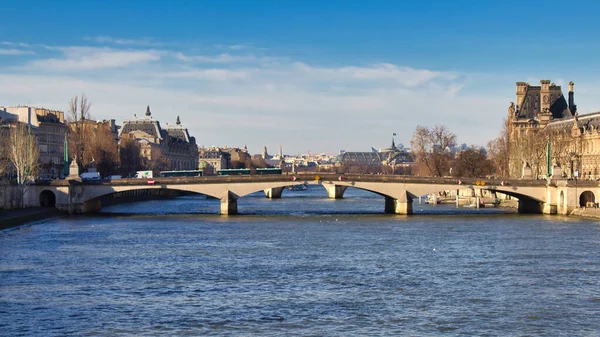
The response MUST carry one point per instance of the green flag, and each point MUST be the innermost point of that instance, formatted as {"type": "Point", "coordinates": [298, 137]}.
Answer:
{"type": "Point", "coordinates": [548, 159]}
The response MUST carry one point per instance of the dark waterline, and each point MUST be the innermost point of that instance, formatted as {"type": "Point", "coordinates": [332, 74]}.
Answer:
{"type": "Point", "coordinates": [302, 265]}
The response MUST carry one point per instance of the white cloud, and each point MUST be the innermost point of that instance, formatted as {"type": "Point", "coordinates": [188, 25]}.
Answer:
{"type": "Point", "coordinates": [133, 42]}
{"type": "Point", "coordinates": [89, 58]}
{"type": "Point", "coordinates": [221, 58]}
{"type": "Point", "coordinates": [15, 52]}
{"type": "Point", "coordinates": [238, 99]}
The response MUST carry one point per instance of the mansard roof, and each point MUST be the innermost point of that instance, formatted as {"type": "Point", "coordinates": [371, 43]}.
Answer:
{"type": "Point", "coordinates": [530, 107]}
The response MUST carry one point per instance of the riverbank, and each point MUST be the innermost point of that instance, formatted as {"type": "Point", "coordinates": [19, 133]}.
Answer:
{"type": "Point", "coordinates": [17, 217]}
{"type": "Point", "coordinates": [593, 213]}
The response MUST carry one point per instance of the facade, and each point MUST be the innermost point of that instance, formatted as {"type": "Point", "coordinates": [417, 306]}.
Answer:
{"type": "Point", "coordinates": [213, 159]}
{"type": "Point", "coordinates": [50, 130]}
{"type": "Point", "coordinates": [541, 117]}
{"type": "Point", "coordinates": [172, 145]}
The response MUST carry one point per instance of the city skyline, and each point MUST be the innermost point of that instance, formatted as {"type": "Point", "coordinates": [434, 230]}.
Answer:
{"type": "Point", "coordinates": [309, 77]}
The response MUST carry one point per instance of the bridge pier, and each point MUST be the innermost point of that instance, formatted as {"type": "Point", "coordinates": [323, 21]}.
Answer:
{"type": "Point", "coordinates": [395, 206]}
{"type": "Point", "coordinates": [229, 204]}
{"type": "Point", "coordinates": [273, 193]}
{"type": "Point", "coordinates": [335, 191]}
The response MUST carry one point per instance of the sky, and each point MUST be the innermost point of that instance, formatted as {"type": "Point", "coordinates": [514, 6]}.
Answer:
{"type": "Point", "coordinates": [311, 76]}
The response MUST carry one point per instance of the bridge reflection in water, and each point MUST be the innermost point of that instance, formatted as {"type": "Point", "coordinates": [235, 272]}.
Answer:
{"type": "Point", "coordinates": [534, 196]}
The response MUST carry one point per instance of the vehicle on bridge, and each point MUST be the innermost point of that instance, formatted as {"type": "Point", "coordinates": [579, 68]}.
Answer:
{"type": "Point", "coordinates": [233, 172]}
{"type": "Point", "coordinates": [143, 175]}
{"type": "Point", "coordinates": [186, 173]}
{"type": "Point", "coordinates": [269, 170]}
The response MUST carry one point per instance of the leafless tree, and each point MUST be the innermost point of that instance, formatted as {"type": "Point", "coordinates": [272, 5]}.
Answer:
{"type": "Point", "coordinates": [103, 147]}
{"type": "Point", "coordinates": [4, 150]}
{"type": "Point", "coordinates": [79, 112]}
{"type": "Point", "coordinates": [499, 152]}
{"type": "Point", "coordinates": [24, 154]}
{"type": "Point", "coordinates": [433, 147]}
{"type": "Point", "coordinates": [131, 157]}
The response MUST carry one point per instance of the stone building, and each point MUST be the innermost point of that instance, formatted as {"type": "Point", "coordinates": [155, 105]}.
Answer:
{"type": "Point", "coordinates": [50, 130]}
{"type": "Point", "coordinates": [543, 116]}
{"type": "Point", "coordinates": [213, 159]}
{"type": "Point", "coordinates": [172, 145]}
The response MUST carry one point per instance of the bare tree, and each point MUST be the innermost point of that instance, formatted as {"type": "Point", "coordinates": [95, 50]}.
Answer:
{"type": "Point", "coordinates": [24, 154]}
{"type": "Point", "coordinates": [131, 157]}
{"type": "Point", "coordinates": [104, 150]}
{"type": "Point", "coordinates": [433, 147]}
{"type": "Point", "coordinates": [79, 112]}
{"type": "Point", "coordinates": [4, 150]}
{"type": "Point", "coordinates": [499, 152]}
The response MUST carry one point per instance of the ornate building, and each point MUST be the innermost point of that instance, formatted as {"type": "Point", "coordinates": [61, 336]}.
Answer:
{"type": "Point", "coordinates": [543, 122]}
{"type": "Point", "coordinates": [168, 148]}
{"type": "Point", "coordinates": [391, 156]}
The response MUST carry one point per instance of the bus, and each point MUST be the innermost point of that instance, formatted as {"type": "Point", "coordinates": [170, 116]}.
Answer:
{"type": "Point", "coordinates": [233, 172]}
{"type": "Point", "coordinates": [188, 173]}
{"type": "Point", "coordinates": [270, 170]}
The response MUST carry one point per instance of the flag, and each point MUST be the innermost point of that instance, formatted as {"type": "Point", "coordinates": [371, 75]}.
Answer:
{"type": "Point", "coordinates": [548, 159]}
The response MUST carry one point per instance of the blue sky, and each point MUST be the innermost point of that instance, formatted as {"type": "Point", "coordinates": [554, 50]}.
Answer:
{"type": "Point", "coordinates": [309, 75]}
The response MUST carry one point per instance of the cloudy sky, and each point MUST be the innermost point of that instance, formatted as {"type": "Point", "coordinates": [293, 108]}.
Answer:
{"type": "Point", "coordinates": [307, 75]}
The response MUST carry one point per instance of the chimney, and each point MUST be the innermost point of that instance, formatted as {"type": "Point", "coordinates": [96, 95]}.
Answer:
{"type": "Point", "coordinates": [572, 106]}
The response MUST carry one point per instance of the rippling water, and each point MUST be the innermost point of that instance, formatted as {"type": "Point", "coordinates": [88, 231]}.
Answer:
{"type": "Point", "coordinates": [303, 266]}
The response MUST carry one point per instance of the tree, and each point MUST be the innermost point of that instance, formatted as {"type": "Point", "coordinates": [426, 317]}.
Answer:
{"type": "Point", "coordinates": [4, 150]}
{"type": "Point", "coordinates": [131, 157]}
{"type": "Point", "coordinates": [24, 154]}
{"type": "Point", "coordinates": [433, 148]}
{"type": "Point", "coordinates": [472, 163]}
{"type": "Point", "coordinates": [499, 152]}
{"type": "Point", "coordinates": [103, 148]}
{"type": "Point", "coordinates": [79, 131]}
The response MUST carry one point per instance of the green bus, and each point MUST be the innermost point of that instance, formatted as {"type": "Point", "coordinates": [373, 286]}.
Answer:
{"type": "Point", "coordinates": [233, 172]}
{"type": "Point", "coordinates": [270, 170]}
{"type": "Point", "coordinates": [188, 173]}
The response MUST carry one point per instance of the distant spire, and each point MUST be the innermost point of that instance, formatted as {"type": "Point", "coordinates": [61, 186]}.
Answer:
{"type": "Point", "coordinates": [280, 152]}
{"type": "Point", "coordinates": [148, 113]}
{"type": "Point", "coordinates": [178, 122]}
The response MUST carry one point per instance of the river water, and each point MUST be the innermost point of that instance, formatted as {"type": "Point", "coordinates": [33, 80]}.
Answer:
{"type": "Point", "coordinates": [300, 266]}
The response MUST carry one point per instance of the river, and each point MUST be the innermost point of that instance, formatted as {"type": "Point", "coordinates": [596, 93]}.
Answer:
{"type": "Point", "coordinates": [302, 265]}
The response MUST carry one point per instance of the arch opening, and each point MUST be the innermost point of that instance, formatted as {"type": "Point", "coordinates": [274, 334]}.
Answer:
{"type": "Point", "coordinates": [47, 199]}
{"type": "Point", "coordinates": [587, 199]}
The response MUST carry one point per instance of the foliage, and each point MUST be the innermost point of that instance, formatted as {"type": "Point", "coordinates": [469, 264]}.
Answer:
{"type": "Point", "coordinates": [24, 154]}
{"type": "Point", "coordinates": [433, 148]}
{"type": "Point", "coordinates": [130, 155]}
{"type": "Point", "coordinates": [498, 150]}
{"type": "Point", "coordinates": [79, 131]}
{"type": "Point", "coordinates": [4, 150]}
{"type": "Point", "coordinates": [472, 163]}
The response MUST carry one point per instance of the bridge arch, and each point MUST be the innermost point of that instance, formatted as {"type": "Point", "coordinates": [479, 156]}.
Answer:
{"type": "Point", "coordinates": [47, 199]}
{"type": "Point", "coordinates": [586, 197]}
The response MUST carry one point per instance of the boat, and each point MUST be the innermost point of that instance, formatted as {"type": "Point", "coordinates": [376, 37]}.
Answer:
{"type": "Point", "coordinates": [299, 187]}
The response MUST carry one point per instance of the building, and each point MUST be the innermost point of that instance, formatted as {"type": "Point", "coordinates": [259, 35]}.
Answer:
{"type": "Point", "coordinates": [171, 146]}
{"type": "Point", "coordinates": [390, 156]}
{"type": "Point", "coordinates": [541, 117]}
{"type": "Point", "coordinates": [50, 130]}
{"type": "Point", "coordinates": [213, 159]}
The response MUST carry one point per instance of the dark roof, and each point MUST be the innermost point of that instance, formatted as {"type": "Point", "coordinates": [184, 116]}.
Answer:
{"type": "Point", "coordinates": [530, 107]}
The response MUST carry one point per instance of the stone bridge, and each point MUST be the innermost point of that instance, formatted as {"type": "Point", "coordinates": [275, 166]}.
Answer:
{"type": "Point", "coordinates": [534, 196]}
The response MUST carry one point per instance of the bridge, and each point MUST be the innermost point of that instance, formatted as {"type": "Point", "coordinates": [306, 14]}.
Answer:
{"type": "Point", "coordinates": [534, 196]}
